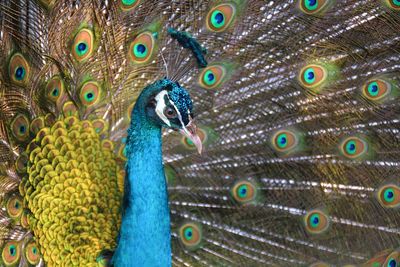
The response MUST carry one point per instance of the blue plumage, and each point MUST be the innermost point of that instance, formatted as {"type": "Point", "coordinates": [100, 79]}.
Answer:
{"type": "Point", "coordinates": [145, 238]}
{"type": "Point", "coordinates": [187, 41]}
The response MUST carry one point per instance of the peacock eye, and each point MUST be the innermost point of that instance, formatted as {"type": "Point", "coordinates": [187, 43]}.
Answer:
{"type": "Point", "coordinates": [212, 76]}
{"type": "Point", "coordinates": [90, 93]}
{"type": "Point", "coordinates": [20, 127]}
{"type": "Point", "coordinates": [189, 143]}
{"type": "Point", "coordinates": [19, 69]}
{"type": "Point", "coordinates": [284, 141]}
{"type": "Point", "coordinates": [127, 5]}
{"type": "Point", "coordinates": [393, 259]}
{"type": "Point", "coordinates": [11, 253]}
{"type": "Point", "coordinates": [376, 89]}
{"type": "Point", "coordinates": [14, 207]}
{"type": "Point", "coordinates": [389, 196]}
{"type": "Point", "coordinates": [21, 163]}
{"type": "Point", "coordinates": [170, 112]}
{"type": "Point", "coordinates": [316, 221]}
{"type": "Point", "coordinates": [392, 263]}
{"type": "Point", "coordinates": [190, 235]}
{"type": "Point", "coordinates": [353, 147]}
{"type": "Point", "coordinates": [312, 6]}
{"type": "Point", "coordinates": [221, 17]}
{"type": "Point", "coordinates": [394, 4]}
{"type": "Point", "coordinates": [312, 76]}
{"type": "Point", "coordinates": [142, 47]}
{"type": "Point", "coordinates": [244, 192]}
{"type": "Point", "coordinates": [69, 109]}
{"type": "Point", "coordinates": [32, 253]}
{"type": "Point", "coordinates": [83, 45]}
{"type": "Point", "coordinates": [55, 88]}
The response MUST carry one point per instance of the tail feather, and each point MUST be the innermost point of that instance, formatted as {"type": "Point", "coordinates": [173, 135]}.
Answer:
{"type": "Point", "coordinates": [298, 113]}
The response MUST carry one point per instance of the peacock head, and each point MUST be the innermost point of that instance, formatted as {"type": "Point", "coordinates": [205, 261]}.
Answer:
{"type": "Point", "coordinates": [172, 108]}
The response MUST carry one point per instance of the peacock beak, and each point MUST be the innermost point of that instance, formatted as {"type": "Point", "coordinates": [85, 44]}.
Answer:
{"type": "Point", "coordinates": [190, 131]}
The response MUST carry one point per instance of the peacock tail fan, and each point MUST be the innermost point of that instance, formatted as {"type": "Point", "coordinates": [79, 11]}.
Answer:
{"type": "Point", "coordinates": [297, 107]}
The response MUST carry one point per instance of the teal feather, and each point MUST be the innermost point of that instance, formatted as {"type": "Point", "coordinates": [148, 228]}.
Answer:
{"type": "Point", "coordinates": [145, 224]}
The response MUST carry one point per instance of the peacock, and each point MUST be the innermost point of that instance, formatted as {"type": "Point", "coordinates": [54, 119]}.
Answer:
{"type": "Point", "coordinates": [200, 133]}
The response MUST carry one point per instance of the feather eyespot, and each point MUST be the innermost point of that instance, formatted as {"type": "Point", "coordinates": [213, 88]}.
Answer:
{"type": "Point", "coordinates": [190, 235]}
{"type": "Point", "coordinates": [221, 17]}
{"type": "Point", "coordinates": [142, 47]}
{"type": "Point", "coordinates": [69, 109]}
{"type": "Point", "coordinates": [189, 144]}
{"type": "Point", "coordinates": [393, 4]}
{"type": "Point", "coordinates": [11, 253]}
{"type": "Point", "coordinates": [353, 147]}
{"type": "Point", "coordinates": [378, 259]}
{"type": "Point", "coordinates": [129, 4]}
{"type": "Point", "coordinates": [55, 89]}
{"type": "Point", "coordinates": [313, 6]}
{"type": "Point", "coordinates": [244, 192]}
{"type": "Point", "coordinates": [32, 253]}
{"type": "Point", "coordinates": [284, 141]}
{"type": "Point", "coordinates": [37, 124]}
{"type": "Point", "coordinates": [100, 126]}
{"type": "Point", "coordinates": [312, 76]}
{"type": "Point", "coordinates": [83, 45]}
{"type": "Point", "coordinates": [20, 127]}
{"type": "Point", "coordinates": [376, 89]}
{"type": "Point", "coordinates": [21, 163]}
{"type": "Point", "coordinates": [316, 221]}
{"type": "Point", "coordinates": [212, 76]}
{"type": "Point", "coordinates": [90, 93]}
{"type": "Point", "coordinates": [14, 206]}
{"type": "Point", "coordinates": [393, 260]}
{"type": "Point", "coordinates": [389, 196]}
{"type": "Point", "coordinates": [19, 69]}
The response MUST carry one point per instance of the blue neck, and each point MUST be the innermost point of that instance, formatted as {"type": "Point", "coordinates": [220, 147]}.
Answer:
{"type": "Point", "coordinates": [145, 238]}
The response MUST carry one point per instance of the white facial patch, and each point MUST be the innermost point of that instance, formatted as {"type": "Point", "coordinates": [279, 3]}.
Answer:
{"type": "Point", "coordinates": [160, 106]}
